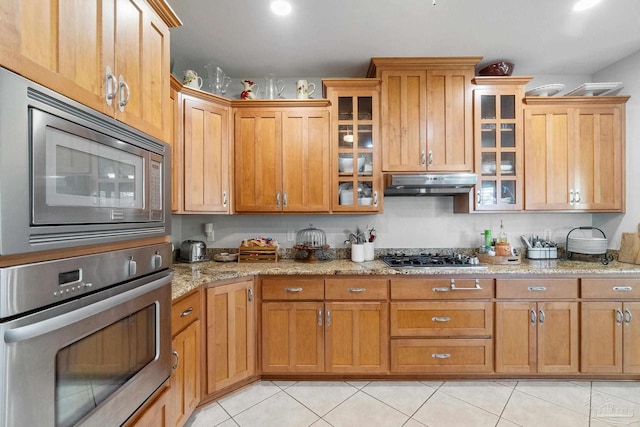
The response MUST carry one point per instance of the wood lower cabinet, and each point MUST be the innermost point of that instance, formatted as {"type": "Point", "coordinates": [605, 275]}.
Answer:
{"type": "Point", "coordinates": [282, 158]}
{"type": "Point", "coordinates": [441, 325]}
{"type": "Point", "coordinates": [110, 56]}
{"type": "Point", "coordinates": [539, 333]}
{"type": "Point", "coordinates": [610, 332]}
{"type": "Point", "coordinates": [575, 153]}
{"type": "Point", "coordinates": [231, 334]}
{"type": "Point", "coordinates": [426, 113]}
{"type": "Point", "coordinates": [157, 412]}
{"type": "Point", "coordinates": [185, 381]}
{"type": "Point", "coordinates": [341, 328]}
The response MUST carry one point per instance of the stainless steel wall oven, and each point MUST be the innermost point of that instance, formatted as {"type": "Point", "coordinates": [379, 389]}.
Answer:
{"type": "Point", "coordinates": [86, 340]}
{"type": "Point", "coordinates": [70, 176]}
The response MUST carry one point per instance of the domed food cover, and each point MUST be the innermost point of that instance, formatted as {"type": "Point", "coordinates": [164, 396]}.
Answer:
{"type": "Point", "coordinates": [311, 239]}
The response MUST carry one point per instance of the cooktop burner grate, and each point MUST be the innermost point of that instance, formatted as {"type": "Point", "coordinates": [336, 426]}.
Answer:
{"type": "Point", "coordinates": [428, 260]}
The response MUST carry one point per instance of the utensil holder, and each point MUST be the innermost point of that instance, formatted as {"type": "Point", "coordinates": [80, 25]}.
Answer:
{"type": "Point", "coordinates": [357, 252]}
{"type": "Point", "coordinates": [369, 253]}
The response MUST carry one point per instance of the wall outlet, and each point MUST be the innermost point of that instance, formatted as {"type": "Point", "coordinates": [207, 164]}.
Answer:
{"type": "Point", "coordinates": [210, 236]}
{"type": "Point", "coordinates": [291, 236]}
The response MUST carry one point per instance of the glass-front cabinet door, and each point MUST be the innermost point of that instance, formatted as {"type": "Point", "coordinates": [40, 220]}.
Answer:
{"type": "Point", "coordinates": [498, 130]}
{"type": "Point", "coordinates": [356, 177]}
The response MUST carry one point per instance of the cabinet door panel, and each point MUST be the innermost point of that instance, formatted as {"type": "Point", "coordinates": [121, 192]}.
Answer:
{"type": "Point", "coordinates": [305, 164]}
{"type": "Point", "coordinates": [230, 335]}
{"type": "Point", "coordinates": [185, 381]}
{"type": "Point", "coordinates": [292, 337]}
{"type": "Point", "coordinates": [258, 161]}
{"type": "Point", "coordinates": [546, 150]}
{"type": "Point", "coordinates": [442, 319]}
{"type": "Point", "coordinates": [601, 337]}
{"type": "Point", "coordinates": [206, 157]}
{"type": "Point", "coordinates": [515, 337]}
{"type": "Point", "coordinates": [441, 355]}
{"type": "Point", "coordinates": [403, 121]}
{"type": "Point", "coordinates": [558, 337]}
{"type": "Point", "coordinates": [142, 59]}
{"type": "Point", "coordinates": [449, 127]}
{"type": "Point", "coordinates": [631, 338]}
{"type": "Point", "coordinates": [597, 158]}
{"type": "Point", "coordinates": [357, 337]}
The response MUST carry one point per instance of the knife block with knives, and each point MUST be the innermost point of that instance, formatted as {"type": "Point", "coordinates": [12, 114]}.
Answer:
{"type": "Point", "coordinates": [630, 248]}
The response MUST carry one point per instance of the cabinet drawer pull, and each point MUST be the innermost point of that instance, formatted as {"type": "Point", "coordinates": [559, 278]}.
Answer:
{"type": "Point", "coordinates": [423, 158]}
{"type": "Point", "coordinates": [285, 200]}
{"type": "Point", "coordinates": [250, 294]}
{"type": "Point", "coordinates": [123, 88]}
{"type": "Point", "coordinates": [356, 290]}
{"type": "Point", "coordinates": [618, 317]}
{"type": "Point", "coordinates": [571, 198]}
{"type": "Point", "coordinates": [187, 312]}
{"type": "Point", "coordinates": [110, 86]}
{"type": "Point", "coordinates": [278, 199]}
{"type": "Point", "coordinates": [537, 288]}
{"type": "Point", "coordinates": [577, 196]}
{"type": "Point", "coordinates": [224, 199]}
{"type": "Point", "coordinates": [440, 289]}
{"type": "Point", "coordinates": [627, 316]}
{"type": "Point", "coordinates": [293, 290]}
{"type": "Point", "coordinates": [328, 317]}
{"type": "Point", "coordinates": [533, 317]}
{"type": "Point", "coordinates": [623, 288]}
{"type": "Point", "coordinates": [319, 317]}
{"type": "Point", "coordinates": [541, 316]}
{"type": "Point", "coordinates": [440, 355]}
{"type": "Point", "coordinates": [177, 357]}
{"type": "Point", "coordinates": [441, 319]}
{"type": "Point", "coordinates": [375, 199]}
{"type": "Point", "coordinates": [475, 288]}
{"type": "Point", "coordinates": [430, 158]}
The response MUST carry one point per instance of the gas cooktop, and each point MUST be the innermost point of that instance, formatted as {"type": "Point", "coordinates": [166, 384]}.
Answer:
{"type": "Point", "coordinates": [430, 260]}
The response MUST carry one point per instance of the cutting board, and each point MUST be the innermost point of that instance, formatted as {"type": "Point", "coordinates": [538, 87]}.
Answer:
{"type": "Point", "coordinates": [630, 248]}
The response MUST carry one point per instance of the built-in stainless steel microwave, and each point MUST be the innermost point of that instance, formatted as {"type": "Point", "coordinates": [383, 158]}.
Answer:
{"type": "Point", "coordinates": [70, 176]}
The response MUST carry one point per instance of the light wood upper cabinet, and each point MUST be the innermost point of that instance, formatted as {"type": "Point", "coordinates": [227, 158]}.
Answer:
{"type": "Point", "coordinates": [426, 117]}
{"type": "Point", "coordinates": [575, 153]}
{"type": "Point", "coordinates": [206, 156]}
{"type": "Point", "coordinates": [355, 140]}
{"type": "Point", "coordinates": [282, 158]}
{"type": "Point", "coordinates": [70, 48]}
{"type": "Point", "coordinates": [231, 334]}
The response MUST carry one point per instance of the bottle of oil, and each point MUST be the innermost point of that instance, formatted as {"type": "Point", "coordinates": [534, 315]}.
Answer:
{"type": "Point", "coordinates": [502, 236]}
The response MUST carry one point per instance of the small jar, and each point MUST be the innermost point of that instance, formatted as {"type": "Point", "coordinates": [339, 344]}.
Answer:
{"type": "Point", "coordinates": [503, 249]}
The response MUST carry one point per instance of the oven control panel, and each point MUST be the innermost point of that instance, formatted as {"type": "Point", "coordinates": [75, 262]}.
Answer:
{"type": "Point", "coordinates": [27, 287]}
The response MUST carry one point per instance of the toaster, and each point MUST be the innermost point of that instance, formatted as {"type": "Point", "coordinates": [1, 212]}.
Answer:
{"type": "Point", "coordinates": [193, 251]}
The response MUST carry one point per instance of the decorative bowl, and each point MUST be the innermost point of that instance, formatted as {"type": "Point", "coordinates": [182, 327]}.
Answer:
{"type": "Point", "coordinates": [500, 68]}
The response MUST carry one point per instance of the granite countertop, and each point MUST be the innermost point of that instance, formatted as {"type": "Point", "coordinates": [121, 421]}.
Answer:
{"type": "Point", "coordinates": [190, 276]}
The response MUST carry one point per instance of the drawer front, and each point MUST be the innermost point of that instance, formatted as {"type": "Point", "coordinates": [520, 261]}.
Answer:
{"type": "Point", "coordinates": [356, 289]}
{"type": "Point", "coordinates": [536, 289]}
{"type": "Point", "coordinates": [445, 288]}
{"type": "Point", "coordinates": [292, 288]}
{"type": "Point", "coordinates": [185, 311]}
{"type": "Point", "coordinates": [441, 355]}
{"type": "Point", "coordinates": [438, 319]}
{"type": "Point", "coordinates": [618, 289]}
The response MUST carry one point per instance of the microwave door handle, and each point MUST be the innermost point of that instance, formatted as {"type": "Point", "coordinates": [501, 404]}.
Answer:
{"type": "Point", "coordinates": [37, 329]}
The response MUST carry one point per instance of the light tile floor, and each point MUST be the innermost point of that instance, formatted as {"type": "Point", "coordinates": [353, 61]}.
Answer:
{"type": "Point", "coordinates": [505, 403]}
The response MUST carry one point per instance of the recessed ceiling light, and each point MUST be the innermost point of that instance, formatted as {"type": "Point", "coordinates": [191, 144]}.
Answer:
{"type": "Point", "coordinates": [281, 7]}
{"type": "Point", "coordinates": [581, 5]}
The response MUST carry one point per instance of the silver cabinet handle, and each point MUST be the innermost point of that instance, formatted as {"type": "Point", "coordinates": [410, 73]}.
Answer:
{"type": "Point", "coordinates": [533, 317]}
{"type": "Point", "coordinates": [356, 290]}
{"type": "Point", "coordinates": [423, 158]}
{"type": "Point", "coordinates": [375, 199]}
{"type": "Point", "coordinates": [285, 200]}
{"type": "Point", "coordinates": [618, 317]}
{"type": "Point", "coordinates": [541, 316]}
{"type": "Point", "coordinates": [328, 317]}
{"type": "Point", "coordinates": [278, 199]}
{"type": "Point", "coordinates": [440, 355]}
{"type": "Point", "coordinates": [623, 288]}
{"type": "Point", "coordinates": [440, 289]}
{"type": "Point", "coordinates": [250, 294]}
{"type": "Point", "coordinates": [109, 86]}
{"type": "Point", "coordinates": [177, 357]}
{"type": "Point", "coordinates": [441, 319]}
{"type": "Point", "coordinates": [627, 316]}
{"type": "Point", "coordinates": [577, 196]}
{"type": "Point", "coordinates": [224, 199]}
{"type": "Point", "coordinates": [475, 288]}
{"type": "Point", "coordinates": [124, 100]}
{"type": "Point", "coordinates": [293, 290]}
{"type": "Point", "coordinates": [187, 312]}
{"type": "Point", "coordinates": [478, 197]}
{"type": "Point", "coordinates": [571, 198]}
{"type": "Point", "coordinates": [537, 288]}
{"type": "Point", "coordinates": [430, 158]}
{"type": "Point", "coordinates": [319, 317]}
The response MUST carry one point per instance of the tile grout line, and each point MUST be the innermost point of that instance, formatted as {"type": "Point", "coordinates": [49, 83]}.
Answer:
{"type": "Point", "coordinates": [319, 415]}
{"type": "Point", "coordinates": [505, 406]}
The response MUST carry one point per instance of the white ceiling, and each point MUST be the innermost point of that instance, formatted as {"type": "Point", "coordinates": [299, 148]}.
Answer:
{"type": "Point", "coordinates": [337, 38]}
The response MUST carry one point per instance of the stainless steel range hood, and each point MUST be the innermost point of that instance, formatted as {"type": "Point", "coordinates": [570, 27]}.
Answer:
{"type": "Point", "coordinates": [429, 184]}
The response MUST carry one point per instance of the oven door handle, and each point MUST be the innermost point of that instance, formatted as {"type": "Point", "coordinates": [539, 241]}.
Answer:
{"type": "Point", "coordinates": [34, 330]}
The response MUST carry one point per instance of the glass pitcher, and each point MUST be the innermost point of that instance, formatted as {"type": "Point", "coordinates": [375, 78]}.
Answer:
{"type": "Point", "coordinates": [273, 87]}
